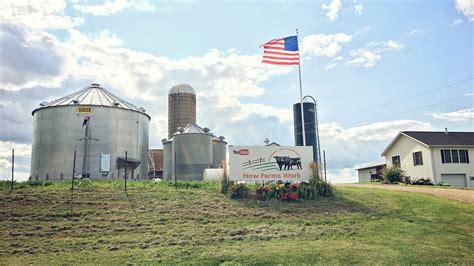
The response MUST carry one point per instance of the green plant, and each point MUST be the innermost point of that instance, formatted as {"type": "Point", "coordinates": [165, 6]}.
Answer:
{"type": "Point", "coordinates": [443, 184]}
{"type": "Point", "coordinates": [238, 191]}
{"type": "Point", "coordinates": [407, 180]}
{"type": "Point", "coordinates": [393, 175]}
{"type": "Point", "coordinates": [423, 182]}
{"type": "Point", "coordinates": [263, 193]}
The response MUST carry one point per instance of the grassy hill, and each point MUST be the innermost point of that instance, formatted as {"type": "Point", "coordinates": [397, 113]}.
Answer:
{"type": "Point", "coordinates": [155, 223]}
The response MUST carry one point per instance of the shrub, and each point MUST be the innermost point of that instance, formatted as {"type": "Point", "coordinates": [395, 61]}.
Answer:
{"type": "Point", "coordinates": [407, 180]}
{"type": "Point", "coordinates": [263, 193]}
{"type": "Point", "coordinates": [238, 191]}
{"type": "Point", "coordinates": [423, 182]}
{"type": "Point", "coordinates": [443, 184]}
{"type": "Point", "coordinates": [393, 175]}
{"type": "Point", "coordinates": [293, 191]}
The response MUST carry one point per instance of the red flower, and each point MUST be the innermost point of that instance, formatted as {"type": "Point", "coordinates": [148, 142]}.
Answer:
{"type": "Point", "coordinates": [284, 196]}
{"type": "Point", "coordinates": [293, 196]}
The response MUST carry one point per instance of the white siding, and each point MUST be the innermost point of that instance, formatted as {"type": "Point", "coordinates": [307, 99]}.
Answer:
{"type": "Point", "coordinates": [405, 147]}
{"type": "Point", "coordinates": [364, 174]}
{"type": "Point", "coordinates": [453, 168]}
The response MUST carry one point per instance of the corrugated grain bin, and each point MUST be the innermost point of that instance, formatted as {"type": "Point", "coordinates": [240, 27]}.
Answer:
{"type": "Point", "coordinates": [192, 153]}
{"type": "Point", "coordinates": [96, 124]}
{"type": "Point", "coordinates": [219, 150]}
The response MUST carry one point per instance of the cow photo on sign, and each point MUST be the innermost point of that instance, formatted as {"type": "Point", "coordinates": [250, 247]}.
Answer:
{"type": "Point", "coordinates": [270, 163]}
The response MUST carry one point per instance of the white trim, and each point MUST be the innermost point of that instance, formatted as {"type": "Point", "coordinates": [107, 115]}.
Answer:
{"type": "Point", "coordinates": [397, 137]}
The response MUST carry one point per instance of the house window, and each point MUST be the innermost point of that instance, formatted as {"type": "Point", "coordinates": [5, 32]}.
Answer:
{"type": "Point", "coordinates": [446, 156]}
{"type": "Point", "coordinates": [454, 156]}
{"type": "Point", "coordinates": [417, 158]}
{"type": "Point", "coordinates": [396, 161]}
{"type": "Point", "coordinates": [463, 156]}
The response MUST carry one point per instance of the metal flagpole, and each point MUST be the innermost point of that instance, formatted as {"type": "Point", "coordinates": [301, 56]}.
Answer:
{"type": "Point", "coordinates": [303, 132]}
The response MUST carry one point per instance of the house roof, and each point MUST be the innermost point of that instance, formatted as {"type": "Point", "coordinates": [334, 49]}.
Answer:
{"type": "Point", "coordinates": [436, 138]}
{"type": "Point", "coordinates": [442, 138]}
{"type": "Point", "coordinates": [372, 166]}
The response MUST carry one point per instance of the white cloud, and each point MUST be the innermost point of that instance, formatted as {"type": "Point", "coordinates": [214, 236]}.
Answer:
{"type": "Point", "coordinates": [358, 9]}
{"type": "Point", "coordinates": [324, 45]}
{"type": "Point", "coordinates": [394, 45]}
{"type": "Point", "coordinates": [332, 9]}
{"type": "Point", "coordinates": [29, 57]}
{"type": "Point", "coordinates": [329, 66]}
{"type": "Point", "coordinates": [466, 7]}
{"type": "Point", "coordinates": [414, 31]}
{"type": "Point", "coordinates": [22, 160]}
{"type": "Point", "coordinates": [464, 115]}
{"type": "Point", "coordinates": [115, 6]}
{"type": "Point", "coordinates": [457, 22]}
{"type": "Point", "coordinates": [38, 14]}
{"type": "Point", "coordinates": [359, 31]}
{"type": "Point", "coordinates": [372, 53]}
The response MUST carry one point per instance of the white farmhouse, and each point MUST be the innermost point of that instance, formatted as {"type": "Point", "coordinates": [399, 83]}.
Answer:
{"type": "Point", "coordinates": [439, 156]}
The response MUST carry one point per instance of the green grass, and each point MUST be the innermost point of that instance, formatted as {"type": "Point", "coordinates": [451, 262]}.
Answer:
{"type": "Point", "coordinates": [155, 223]}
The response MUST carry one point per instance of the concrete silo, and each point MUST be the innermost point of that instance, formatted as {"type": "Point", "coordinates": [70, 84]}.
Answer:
{"type": "Point", "coordinates": [181, 107]}
{"type": "Point", "coordinates": [219, 151]}
{"type": "Point", "coordinates": [191, 153]}
{"type": "Point", "coordinates": [96, 124]}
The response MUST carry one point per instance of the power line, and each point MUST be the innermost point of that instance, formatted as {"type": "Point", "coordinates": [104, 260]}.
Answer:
{"type": "Point", "coordinates": [411, 110]}
{"type": "Point", "coordinates": [409, 97]}
{"type": "Point", "coordinates": [403, 112]}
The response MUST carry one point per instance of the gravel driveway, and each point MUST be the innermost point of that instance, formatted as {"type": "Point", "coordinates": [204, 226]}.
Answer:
{"type": "Point", "coordinates": [464, 195]}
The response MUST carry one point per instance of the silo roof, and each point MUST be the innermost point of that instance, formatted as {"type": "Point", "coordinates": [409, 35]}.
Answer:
{"type": "Point", "coordinates": [92, 95]}
{"type": "Point", "coordinates": [192, 129]}
{"type": "Point", "coordinates": [182, 88]}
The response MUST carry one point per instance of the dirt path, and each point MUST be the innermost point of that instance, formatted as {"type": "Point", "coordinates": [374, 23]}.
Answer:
{"type": "Point", "coordinates": [464, 195]}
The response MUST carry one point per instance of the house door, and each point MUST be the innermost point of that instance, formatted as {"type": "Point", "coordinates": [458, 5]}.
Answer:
{"type": "Point", "coordinates": [455, 180]}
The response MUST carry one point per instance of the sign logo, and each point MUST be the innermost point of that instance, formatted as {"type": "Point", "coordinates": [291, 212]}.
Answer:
{"type": "Point", "coordinates": [244, 152]}
{"type": "Point", "coordinates": [84, 110]}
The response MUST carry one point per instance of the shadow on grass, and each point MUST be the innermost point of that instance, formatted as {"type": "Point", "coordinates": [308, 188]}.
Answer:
{"type": "Point", "coordinates": [322, 205]}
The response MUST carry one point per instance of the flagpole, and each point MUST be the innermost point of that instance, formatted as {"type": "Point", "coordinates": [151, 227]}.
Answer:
{"type": "Point", "coordinates": [303, 132]}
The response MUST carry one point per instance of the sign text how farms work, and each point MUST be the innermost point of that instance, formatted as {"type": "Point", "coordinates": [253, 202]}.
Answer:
{"type": "Point", "coordinates": [266, 163]}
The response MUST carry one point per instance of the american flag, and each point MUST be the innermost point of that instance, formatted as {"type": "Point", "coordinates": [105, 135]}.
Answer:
{"type": "Point", "coordinates": [282, 51]}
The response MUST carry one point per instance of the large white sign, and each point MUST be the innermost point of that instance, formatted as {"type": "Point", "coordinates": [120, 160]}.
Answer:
{"type": "Point", "coordinates": [270, 163]}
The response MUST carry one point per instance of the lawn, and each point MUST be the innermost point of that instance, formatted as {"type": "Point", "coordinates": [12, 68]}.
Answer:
{"type": "Point", "coordinates": [154, 222]}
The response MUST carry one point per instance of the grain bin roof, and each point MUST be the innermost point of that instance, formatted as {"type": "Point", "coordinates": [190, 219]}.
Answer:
{"type": "Point", "coordinates": [193, 129]}
{"type": "Point", "coordinates": [92, 95]}
{"type": "Point", "coordinates": [182, 88]}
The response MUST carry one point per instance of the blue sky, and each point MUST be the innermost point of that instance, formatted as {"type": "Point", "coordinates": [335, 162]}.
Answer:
{"type": "Point", "coordinates": [355, 55]}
